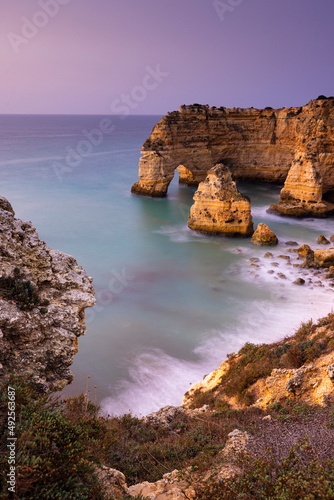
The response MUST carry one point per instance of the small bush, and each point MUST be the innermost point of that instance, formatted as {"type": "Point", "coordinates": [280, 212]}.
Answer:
{"type": "Point", "coordinates": [300, 475]}
{"type": "Point", "coordinates": [22, 292]}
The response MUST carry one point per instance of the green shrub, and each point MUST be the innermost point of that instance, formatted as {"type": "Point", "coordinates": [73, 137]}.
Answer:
{"type": "Point", "coordinates": [300, 475]}
{"type": "Point", "coordinates": [55, 451]}
{"type": "Point", "coordinates": [22, 292]}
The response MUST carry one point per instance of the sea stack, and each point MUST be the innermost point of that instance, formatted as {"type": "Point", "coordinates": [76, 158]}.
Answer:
{"type": "Point", "coordinates": [302, 192]}
{"type": "Point", "coordinates": [219, 207]}
{"type": "Point", "coordinates": [258, 145]}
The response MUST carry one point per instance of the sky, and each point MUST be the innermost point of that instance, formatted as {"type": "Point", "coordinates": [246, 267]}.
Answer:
{"type": "Point", "coordinates": [149, 57]}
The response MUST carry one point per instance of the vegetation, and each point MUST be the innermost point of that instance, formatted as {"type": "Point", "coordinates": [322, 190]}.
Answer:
{"type": "Point", "coordinates": [60, 444]}
{"type": "Point", "coordinates": [299, 475]}
{"type": "Point", "coordinates": [22, 292]}
{"type": "Point", "coordinates": [256, 361]}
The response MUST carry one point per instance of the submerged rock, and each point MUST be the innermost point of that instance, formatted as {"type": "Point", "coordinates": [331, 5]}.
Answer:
{"type": "Point", "coordinates": [219, 208]}
{"type": "Point", "coordinates": [264, 236]}
{"type": "Point", "coordinates": [41, 324]}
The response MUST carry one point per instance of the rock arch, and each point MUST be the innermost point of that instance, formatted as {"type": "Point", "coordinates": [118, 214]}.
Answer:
{"type": "Point", "coordinates": [257, 145]}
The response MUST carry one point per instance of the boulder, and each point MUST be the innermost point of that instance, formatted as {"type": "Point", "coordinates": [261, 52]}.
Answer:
{"type": "Point", "coordinates": [306, 253]}
{"type": "Point", "coordinates": [113, 482]}
{"type": "Point", "coordinates": [324, 258]}
{"type": "Point", "coordinates": [322, 240]}
{"type": "Point", "coordinates": [299, 281]}
{"type": "Point", "coordinates": [264, 236]}
{"type": "Point", "coordinates": [219, 208]}
{"type": "Point", "coordinates": [171, 487]}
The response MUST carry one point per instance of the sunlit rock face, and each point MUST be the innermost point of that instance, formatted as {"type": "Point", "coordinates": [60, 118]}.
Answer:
{"type": "Point", "coordinates": [43, 296]}
{"type": "Point", "coordinates": [302, 192]}
{"type": "Point", "coordinates": [219, 208]}
{"type": "Point", "coordinates": [256, 145]}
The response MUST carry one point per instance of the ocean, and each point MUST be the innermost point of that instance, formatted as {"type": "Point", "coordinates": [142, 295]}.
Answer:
{"type": "Point", "coordinates": [170, 303]}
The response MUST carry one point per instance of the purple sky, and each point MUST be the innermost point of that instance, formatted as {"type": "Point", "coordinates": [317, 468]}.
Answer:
{"type": "Point", "coordinates": [93, 56]}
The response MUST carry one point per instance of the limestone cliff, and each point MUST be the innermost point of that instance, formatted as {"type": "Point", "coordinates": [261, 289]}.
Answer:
{"type": "Point", "coordinates": [302, 192]}
{"type": "Point", "coordinates": [43, 295]}
{"type": "Point", "coordinates": [219, 208]}
{"type": "Point", "coordinates": [264, 375]}
{"type": "Point", "coordinates": [257, 145]}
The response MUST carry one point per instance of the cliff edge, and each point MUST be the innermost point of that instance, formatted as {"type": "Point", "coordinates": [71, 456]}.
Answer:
{"type": "Point", "coordinates": [258, 145]}
{"type": "Point", "coordinates": [43, 296]}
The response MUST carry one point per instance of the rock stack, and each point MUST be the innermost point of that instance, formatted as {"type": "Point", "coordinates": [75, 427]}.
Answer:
{"type": "Point", "coordinates": [219, 207]}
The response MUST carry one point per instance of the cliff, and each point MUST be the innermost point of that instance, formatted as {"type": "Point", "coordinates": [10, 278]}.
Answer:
{"type": "Point", "coordinates": [257, 145]}
{"type": "Point", "coordinates": [43, 296]}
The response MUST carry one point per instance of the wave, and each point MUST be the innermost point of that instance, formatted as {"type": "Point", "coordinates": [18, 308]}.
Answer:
{"type": "Point", "coordinates": [156, 379]}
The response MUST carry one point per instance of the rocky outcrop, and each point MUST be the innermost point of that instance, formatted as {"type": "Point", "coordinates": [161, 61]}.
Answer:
{"type": "Point", "coordinates": [43, 296]}
{"type": "Point", "coordinates": [257, 145]}
{"type": "Point", "coordinates": [322, 240]}
{"type": "Point", "coordinates": [264, 236]}
{"type": "Point", "coordinates": [306, 254]}
{"type": "Point", "coordinates": [311, 382]}
{"type": "Point", "coordinates": [324, 258]}
{"type": "Point", "coordinates": [171, 487]}
{"type": "Point", "coordinates": [219, 208]}
{"type": "Point", "coordinates": [112, 482]}
{"type": "Point", "coordinates": [302, 192]}
{"type": "Point", "coordinates": [317, 258]}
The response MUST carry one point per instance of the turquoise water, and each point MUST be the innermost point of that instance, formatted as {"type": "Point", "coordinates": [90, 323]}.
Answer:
{"type": "Point", "coordinates": [170, 303]}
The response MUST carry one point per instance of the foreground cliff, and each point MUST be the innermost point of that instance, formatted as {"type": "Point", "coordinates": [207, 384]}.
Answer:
{"type": "Point", "coordinates": [262, 426]}
{"type": "Point", "coordinates": [257, 145]}
{"type": "Point", "coordinates": [43, 296]}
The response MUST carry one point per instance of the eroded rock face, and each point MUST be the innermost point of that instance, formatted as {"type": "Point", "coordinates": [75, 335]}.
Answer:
{"type": "Point", "coordinates": [302, 192]}
{"type": "Point", "coordinates": [219, 208]}
{"type": "Point", "coordinates": [264, 236]}
{"type": "Point", "coordinates": [257, 145]}
{"type": "Point", "coordinates": [171, 487]}
{"type": "Point", "coordinates": [38, 342]}
{"type": "Point", "coordinates": [113, 482]}
{"type": "Point", "coordinates": [324, 258]}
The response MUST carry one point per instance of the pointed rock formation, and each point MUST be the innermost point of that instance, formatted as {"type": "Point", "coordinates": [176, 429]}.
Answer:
{"type": "Point", "coordinates": [302, 192]}
{"type": "Point", "coordinates": [219, 208]}
{"type": "Point", "coordinates": [264, 236]}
